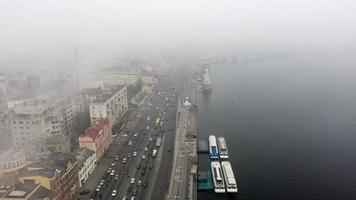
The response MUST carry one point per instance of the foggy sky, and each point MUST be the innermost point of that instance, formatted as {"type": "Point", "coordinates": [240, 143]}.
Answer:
{"type": "Point", "coordinates": [48, 30]}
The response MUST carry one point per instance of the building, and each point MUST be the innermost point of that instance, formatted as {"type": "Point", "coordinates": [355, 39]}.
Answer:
{"type": "Point", "coordinates": [70, 109]}
{"type": "Point", "coordinates": [149, 79]}
{"type": "Point", "coordinates": [111, 104]}
{"type": "Point", "coordinates": [86, 162]}
{"type": "Point", "coordinates": [97, 138]}
{"type": "Point", "coordinates": [12, 164]}
{"type": "Point", "coordinates": [57, 172]}
{"type": "Point", "coordinates": [26, 191]}
{"type": "Point", "coordinates": [121, 78]}
{"type": "Point", "coordinates": [54, 143]}
{"type": "Point", "coordinates": [28, 122]}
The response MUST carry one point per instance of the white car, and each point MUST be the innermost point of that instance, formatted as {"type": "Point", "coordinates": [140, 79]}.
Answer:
{"type": "Point", "coordinates": [148, 128]}
{"type": "Point", "coordinates": [116, 177]}
{"type": "Point", "coordinates": [114, 193]}
{"type": "Point", "coordinates": [135, 134]}
{"type": "Point", "coordinates": [132, 180]}
{"type": "Point", "coordinates": [112, 172]}
{"type": "Point", "coordinates": [134, 153]}
{"type": "Point", "coordinates": [146, 149]}
{"type": "Point", "coordinates": [148, 118]}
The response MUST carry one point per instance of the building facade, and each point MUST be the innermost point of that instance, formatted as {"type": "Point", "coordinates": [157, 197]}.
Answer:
{"type": "Point", "coordinates": [97, 138]}
{"type": "Point", "coordinates": [110, 104]}
{"type": "Point", "coordinates": [12, 164]}
{"type": "Point", "coordinates": [86, 162]}
{"type": "Point", "coordinates": [28, 122]}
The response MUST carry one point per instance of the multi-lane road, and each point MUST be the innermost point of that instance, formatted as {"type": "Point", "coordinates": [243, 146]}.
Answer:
{"type": "Point", "coordinates": [135, 173]}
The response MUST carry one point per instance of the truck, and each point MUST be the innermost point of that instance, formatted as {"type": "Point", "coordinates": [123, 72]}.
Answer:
{"type": "Point", "coordinates": [154, 152]}
{"type": "Point", "coordinates": [158, 142]}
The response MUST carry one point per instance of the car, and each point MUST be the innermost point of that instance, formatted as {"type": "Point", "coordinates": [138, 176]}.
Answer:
{"type": "Point", "coordinates": [124, 135]}
{"type": "Point", "coordinates": [114, 192]}
{"type": "Point", "coordinates": [148, 118]}
{"type": "Point", "coordinates": [151, 166]}
{"type": "Point", "coordinates": [134, 153]}
{"type": "Point", "coordinates": [148, 128]}
{"type": "Point", "coordinates": [135, 135]}
{"type": "Point", "coordinates": [129, 189]}
{"type": "Point", "coordinates": [98, 188]}
{"type": "Point", "coordinates": [146, 149]}
{"type": "Point", "coordinates": [124, 160]}
{"type": "Point", "coordinates": [132, 198]}
{"type": "Point", "coordinates": [169, 149]}
{"type": "Point", "coordinates": [135, 192]}
{"type": "Point", "coordinates": [101, 182]}
{"type": "Point", "coordinates": [113, 163]}
{"type": "Point", "coordinates": [139, 182]}
{"type": "Point", "coordinates": [117, 158]}
{"type": "Point", "coordinates": [144, 184]}
{"type": "Point", "coordinates": [143, 172]}
{"type": "Point", "coordinates": [129, 155]}
{"type": "Point", "coordinates": [109, 170]}
{"type": "Point", "coordinates": [130, 143]}
{"type": "Point", "coordinates": [112, 172]}
{"type": "Point", "coordinates": [150, 139]}
{"type": "Point", "coordinates": [144, 167]}
{"type": "Point", "coordinates": [138, 166]}
{"type": "Point", "coordinates": [143, 157]}
{"type": "Point", "coordinates": [84, 192]}
{"type": "Point", "coordinates": [116, 177]}
{"type": "Point", "coordinates": [132, 180]}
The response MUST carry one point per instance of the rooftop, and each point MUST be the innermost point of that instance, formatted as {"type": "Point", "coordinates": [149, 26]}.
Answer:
{"type": "Point", "coordinates": [94, 130]}
{"type": "Point", "coordinates": [27, 190]}
{"type": "Point", "coordinates": [99, 95]}
{"type": "Point", "coordinates": [82, 155]}
{"type": "Point", "coordinates": [11, 154]}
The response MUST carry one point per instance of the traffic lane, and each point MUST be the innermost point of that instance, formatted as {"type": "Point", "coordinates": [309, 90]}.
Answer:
{"type": "Point", "coordinates": [165, 158]}
{"type": "Point", "coordinates": [148, 158]}
{"type": "Point", "coordinates": [166, 166]}
{"type": "Point", "coordinates": [127, 149]}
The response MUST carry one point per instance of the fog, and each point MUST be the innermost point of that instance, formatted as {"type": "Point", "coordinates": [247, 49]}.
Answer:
{"type": "Point", "coordinates": [40, 32]}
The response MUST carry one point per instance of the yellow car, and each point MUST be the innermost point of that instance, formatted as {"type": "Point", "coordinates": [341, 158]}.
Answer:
{"type": "Point", "coordinates": [124, 160]}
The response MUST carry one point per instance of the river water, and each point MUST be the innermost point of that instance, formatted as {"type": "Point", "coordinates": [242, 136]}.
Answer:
{"type": "Point", "coordinates": [290, 126]}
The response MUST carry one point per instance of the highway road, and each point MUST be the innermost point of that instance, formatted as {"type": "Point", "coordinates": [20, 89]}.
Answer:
{"type": "Point", "coordinates": [149, 170]}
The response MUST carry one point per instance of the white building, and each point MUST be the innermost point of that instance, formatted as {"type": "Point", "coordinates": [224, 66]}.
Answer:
{"type": "Point", "coordinates": [120, 78]}
{"type": "Point", "coordinates": [111, 104]}
{"type": "Point", "coordinates": [28, 122]}
{"type": "Point", "coordinates": [86, 163]}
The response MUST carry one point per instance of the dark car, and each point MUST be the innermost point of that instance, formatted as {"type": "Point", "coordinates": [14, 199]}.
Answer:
{"type": "Point", "coordinates": [135, 192]}
{"type": "Point", "coordinates": [145, 184]}
{"type": "Point", "coordinates": [129, 189]}
{"type": "Point", "coordinates": [151, 166]}
{"type": "Point", "coordinates": [143, 172]}
{"type": "Point", "coordinates": [84, 192]}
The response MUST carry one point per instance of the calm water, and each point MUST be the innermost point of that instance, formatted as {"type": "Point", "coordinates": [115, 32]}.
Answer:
{"type": "Point", "coordinates": [290, 125]}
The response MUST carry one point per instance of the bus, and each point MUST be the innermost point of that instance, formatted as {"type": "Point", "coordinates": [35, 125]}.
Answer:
{"type": "Point", "coordinates": [157, 123]}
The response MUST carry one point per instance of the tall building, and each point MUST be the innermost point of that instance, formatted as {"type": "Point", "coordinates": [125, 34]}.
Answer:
{"type": "Point", "coordinates": [28, 122]}
{"type": "Point", "coordinates": [111, 104]}
{"type": "Point", "coordinates": [57, 172]}
{"type": "Point", "coordinates": [97, 138]}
